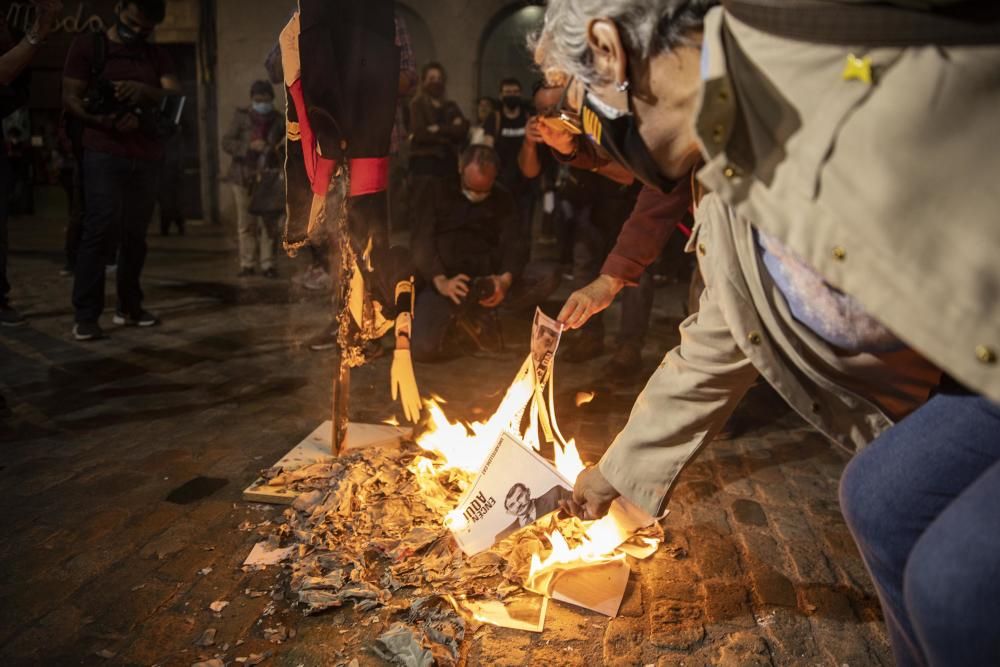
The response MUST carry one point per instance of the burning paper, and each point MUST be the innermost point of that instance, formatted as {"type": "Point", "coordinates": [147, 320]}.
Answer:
{"type": "Point", "coordinates": [515, 488]}
{"type": "Point", "coordinates": [545, 334]}
{"type": "Point", "coordinates": [518, 612]}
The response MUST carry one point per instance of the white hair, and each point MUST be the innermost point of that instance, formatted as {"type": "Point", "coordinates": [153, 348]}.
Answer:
{"type": "Point", "coordinates": [647, 28]}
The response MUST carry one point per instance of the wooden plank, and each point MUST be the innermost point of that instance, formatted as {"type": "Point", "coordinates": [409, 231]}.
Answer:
{"type": "Point", "coordinates": [316, 446]}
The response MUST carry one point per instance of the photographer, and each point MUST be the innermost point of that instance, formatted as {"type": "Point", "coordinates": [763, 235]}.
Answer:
{"type": "Point", "coordinates": [115, 82]}
{"type": "Point", "coordinates": [468, 247]}
{"type": "Point", "coordinates": [14, 59]}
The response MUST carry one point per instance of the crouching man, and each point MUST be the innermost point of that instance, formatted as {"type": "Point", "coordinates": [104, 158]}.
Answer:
{"type": "Point", "coordinates": [468, 247]}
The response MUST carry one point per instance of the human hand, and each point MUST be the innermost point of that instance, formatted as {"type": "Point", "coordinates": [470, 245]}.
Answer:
{"type": "Point", "coordinates": [501, 285]}
{"type": "Point", "coordinates": [434, 129]}
{"type": "Point", "coordinates": [127, 123]}
{"type": "Point", "coordinates": [532, 133]}
{"type": "Point", "coordinates": [590, 300]}
{"type": "Point", "coordinates": [561, 140]}
{"type": "Point", "coordinates": [130, 92]}
{"type": "Point", "coordinates": [258, 145]}
{"type": "Point", "coordinates": [46, 16]}
{"type": "Point", "coordinates": [592, 495]}
{"type": "Point", "coordinates": [455, 288]}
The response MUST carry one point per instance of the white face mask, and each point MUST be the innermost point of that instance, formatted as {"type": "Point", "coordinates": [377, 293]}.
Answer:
{"type": "Point", "coordinates": [475, 197]}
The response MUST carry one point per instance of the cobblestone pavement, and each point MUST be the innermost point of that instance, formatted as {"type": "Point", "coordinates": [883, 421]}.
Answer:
{"type": "Point", "coordinates": [99, 568]}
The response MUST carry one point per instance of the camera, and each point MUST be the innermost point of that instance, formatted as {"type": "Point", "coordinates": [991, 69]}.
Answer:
{"type": "Point", "coordinates": [483, 288]}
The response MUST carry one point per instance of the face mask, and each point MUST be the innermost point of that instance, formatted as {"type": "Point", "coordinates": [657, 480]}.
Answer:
{"type": "Point", "coordinates": [511, 101]}
{"type": "Point", "coordinates": [263, 108]}
{"type": "Point", "coordinates": [475, 197]}
{"type": "Point", "coordinates": [616, 132]}
{"type": "Point", "coordinates": [128, 35]}
{"type": "Point", "coordinates": [434, 88]}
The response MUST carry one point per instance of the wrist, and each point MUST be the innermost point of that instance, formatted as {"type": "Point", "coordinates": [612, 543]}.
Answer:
{"type": "Point", "coordinates": [34, 37]}
{"type": "Point", "coordinates": [612, 282]}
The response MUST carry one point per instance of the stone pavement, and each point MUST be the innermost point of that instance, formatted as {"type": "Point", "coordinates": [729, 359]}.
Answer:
{"type": "Point", "coordinates": [100, 568]}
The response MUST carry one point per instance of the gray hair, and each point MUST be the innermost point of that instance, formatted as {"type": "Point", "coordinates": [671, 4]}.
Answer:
{"type": "Point", "coordinates": [647, 28]}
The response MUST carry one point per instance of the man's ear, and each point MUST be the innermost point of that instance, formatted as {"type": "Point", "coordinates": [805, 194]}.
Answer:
{"type": "Point", "coordinates": [606, 46]}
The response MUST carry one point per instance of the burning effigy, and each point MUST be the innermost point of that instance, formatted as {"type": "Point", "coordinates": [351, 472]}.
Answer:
{"type": "Point", "coordinates": [390, 529]}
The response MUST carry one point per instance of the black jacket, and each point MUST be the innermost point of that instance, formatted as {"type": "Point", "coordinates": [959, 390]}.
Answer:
{"type": "Point", "coordinates": [452, 235]}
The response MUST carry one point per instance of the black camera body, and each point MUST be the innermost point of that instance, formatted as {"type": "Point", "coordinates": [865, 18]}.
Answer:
{"type": "Point", "coordinates": [483, 288]}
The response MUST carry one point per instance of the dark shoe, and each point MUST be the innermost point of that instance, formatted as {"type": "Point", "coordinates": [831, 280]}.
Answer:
{"type": "Point", "coordinates": [324, 341]}
{"type": "Point", "coordinates": [584, 347]}
{"type": "Point", "coordinates": [11, 318]}
{"type": "Point", "coordinates": [624, 364]}
{"type": "Point", "coordinates": [270, 273]}
{"type": "Point", "coordinates": [248, 271]}
{"type": "Point", "coordinates": [66, 271]}
{"type": "Point", "coordinates": [180, 227]}
{"type": "Point", "coordinates": [87, 331]}
{"type": "Point", "coordinates": [142, 319]}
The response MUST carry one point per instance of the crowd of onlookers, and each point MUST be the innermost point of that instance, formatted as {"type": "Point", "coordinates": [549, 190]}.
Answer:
{"type": "Point", "coordinates": [490, 217]}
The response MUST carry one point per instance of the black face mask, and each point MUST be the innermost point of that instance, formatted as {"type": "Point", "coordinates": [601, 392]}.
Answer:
{"type": "Point", "coordinates": [616, 132]}
{"type": "Point", "coordinates": [435, 89]}
{"type": "Point", "coordinates": [511, 101]}
{"type": "Point", "coordinates": [130, 36]}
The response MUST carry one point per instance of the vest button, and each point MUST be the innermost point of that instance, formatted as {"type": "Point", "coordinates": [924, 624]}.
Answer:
{"type": "Point", "coordinates": [754, 338]}
{"type": "Point", "coordinates": [839, 253]}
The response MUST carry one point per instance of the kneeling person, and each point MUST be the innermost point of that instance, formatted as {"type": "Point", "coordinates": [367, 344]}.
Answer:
{"type": "Point", "coordinates": [468, 247]}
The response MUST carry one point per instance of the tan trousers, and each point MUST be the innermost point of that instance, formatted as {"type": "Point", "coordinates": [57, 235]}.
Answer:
{"type": "Point", "coordinates": [254, 233]}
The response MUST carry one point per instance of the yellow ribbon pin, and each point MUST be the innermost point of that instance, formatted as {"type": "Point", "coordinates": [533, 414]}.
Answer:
{"type": "Point", "coordinates": [858, 69]}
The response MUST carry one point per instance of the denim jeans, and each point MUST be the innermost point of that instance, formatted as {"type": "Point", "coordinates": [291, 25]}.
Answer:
{"type": "Point", "coordinates": [923, 504]}
{"type": "Point", "coordinates": [120, 195]}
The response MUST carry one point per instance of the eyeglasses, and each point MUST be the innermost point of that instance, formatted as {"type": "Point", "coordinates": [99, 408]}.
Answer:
{"type": "Point", "coordinates": [563, 117]}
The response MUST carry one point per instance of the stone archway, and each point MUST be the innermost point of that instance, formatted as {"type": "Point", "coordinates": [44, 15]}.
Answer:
{"type": "Point", "coordinates": [421, 39]}
{"type": "Point", "coordinates": [503, 49]}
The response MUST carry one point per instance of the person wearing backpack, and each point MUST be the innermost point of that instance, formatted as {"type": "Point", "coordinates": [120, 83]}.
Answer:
{"type": "Point", "coordinates": [114, 83]}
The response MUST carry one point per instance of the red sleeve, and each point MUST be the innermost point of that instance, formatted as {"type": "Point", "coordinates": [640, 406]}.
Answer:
{"type": "Point", "coordinates": [79, 57]}
{"type": "Point", "coordinates": [164, 63]}
{"type": "Point", "coordinates": [646, 231]}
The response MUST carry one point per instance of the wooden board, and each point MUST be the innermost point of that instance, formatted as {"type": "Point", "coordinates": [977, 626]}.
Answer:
{"type": "Point", "coordinates": [317, 447]}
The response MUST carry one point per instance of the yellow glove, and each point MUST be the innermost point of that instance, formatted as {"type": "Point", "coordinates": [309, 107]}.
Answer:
{"type": "Point", "coordinates": [404, 384]}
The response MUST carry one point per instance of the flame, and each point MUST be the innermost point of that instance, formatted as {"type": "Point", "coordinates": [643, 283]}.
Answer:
{"type": "Point", "coordinates": [584, 397]}
{"type": "Point", "coordinates": [455, 452]}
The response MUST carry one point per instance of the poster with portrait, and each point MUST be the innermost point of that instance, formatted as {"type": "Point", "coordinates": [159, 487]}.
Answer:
{"type": "Point", "coordinates": [515, 488]}
{"type": "Point", "coordinates": [545, 334]}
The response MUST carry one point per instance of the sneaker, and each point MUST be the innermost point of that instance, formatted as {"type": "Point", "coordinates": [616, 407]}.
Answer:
{"type": "Point", "coordinates": [143, 319]}
{"type": "Point", "coordinates": [270, 273]}
{"type": "Point", "coordinates": [11, 318]}
{"type": "Point", "coordinates": [316, 279]}
{"type": "Point", "coordinates": [327, 340]}
{"type": "Point", "coordinates": [87, 331]}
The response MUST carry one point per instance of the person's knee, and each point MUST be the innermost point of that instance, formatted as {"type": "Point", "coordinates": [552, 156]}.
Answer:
{"type": "Point", "coordinates": [862, 500]}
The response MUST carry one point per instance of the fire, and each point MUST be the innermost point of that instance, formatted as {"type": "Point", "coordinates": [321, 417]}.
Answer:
{"type": "Point", "coordinates": [456, 451]}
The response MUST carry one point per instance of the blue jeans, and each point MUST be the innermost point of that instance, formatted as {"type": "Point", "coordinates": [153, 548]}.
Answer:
{"type": "Point", "coordinates": [923, 504]}
{"type": "Point", "coordinates": [120, 195]}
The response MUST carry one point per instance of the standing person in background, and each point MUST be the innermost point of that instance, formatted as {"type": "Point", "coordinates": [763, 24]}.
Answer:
{"type": "Point", "coordinates": [14, 58]}
{"type": "Point", "coordinates": [505, 131]}
{"type": "Point", "coordinates": [252, 139]}
{"type": "Point", "coordinates": [439, 130]}
{"type": "Point", "coordinates": [124, 78]}
{"type": "Point", "coordinates": [398, 158]}
{"type": "Point", "coordinates": [486, 107]}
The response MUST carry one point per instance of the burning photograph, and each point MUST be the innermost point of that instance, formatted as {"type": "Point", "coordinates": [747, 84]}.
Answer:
{"type": "Point", "coordinates": [545, 334]}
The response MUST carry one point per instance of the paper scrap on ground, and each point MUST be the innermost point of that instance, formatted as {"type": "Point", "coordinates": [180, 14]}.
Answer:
{"type": "Point", "coordinates": [515, 488]}
{"type": "Point", "coordinates": [599, 588]}
{"type": "Point", "coordinates": [218, 605]}
{"type": "Point", "coordinates": [401, 645]}
{"type": "Point", "coordinates": [264, 554]}
{"type": "Point", "coordinates": [518, 612]}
